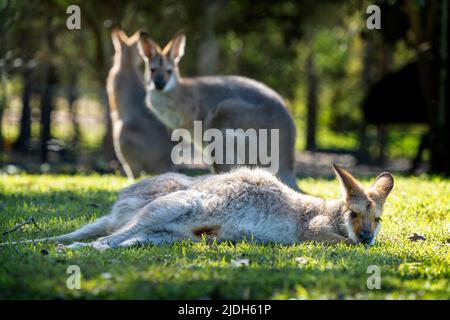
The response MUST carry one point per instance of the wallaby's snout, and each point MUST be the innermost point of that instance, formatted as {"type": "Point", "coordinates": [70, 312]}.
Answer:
{"type": "Point", "coordinates": [159, 82]}
{"type": "Point", "coordinates": [368, 227]}
{"type": "Point", "coordinates": [366, 236]}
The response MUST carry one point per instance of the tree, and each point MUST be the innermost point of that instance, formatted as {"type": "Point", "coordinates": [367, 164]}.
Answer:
{"type": "Point", "coordinates": [6, 19]}
{"type": "Point", "coordinates": [311, 103]}
{"type": "Point", "coordinates": [22, 142]}
{"type": "Point", "coordinates": [429, 22]}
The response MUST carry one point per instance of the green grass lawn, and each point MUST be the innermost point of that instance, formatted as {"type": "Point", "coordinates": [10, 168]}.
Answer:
{"type": "Point", "coordinates": [409, 269]}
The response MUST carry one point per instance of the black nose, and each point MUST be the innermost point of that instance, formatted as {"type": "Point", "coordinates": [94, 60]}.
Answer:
{"type": "Point", "coordinates": [160, 85]}
{"type": "Point", "coordinates": [365, 236]}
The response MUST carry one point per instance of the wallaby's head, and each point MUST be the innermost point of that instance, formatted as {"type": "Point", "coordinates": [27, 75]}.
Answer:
{"type": "Point", "coordinates": [125, 47]}
{"type": "Point", "coordinates": [162, 64]}
{"type": "Point", "coordinates": [363, 208]}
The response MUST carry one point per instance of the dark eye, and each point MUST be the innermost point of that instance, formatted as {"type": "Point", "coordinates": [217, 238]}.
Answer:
{"type": "Point", "coordinates": [353, 214]}
{"type": "Point", "coordinates": [378, 220]}
{"type": "Point", "coordinates": [169, 71]}
{"type": "Point", "coordinates": [152, 70]}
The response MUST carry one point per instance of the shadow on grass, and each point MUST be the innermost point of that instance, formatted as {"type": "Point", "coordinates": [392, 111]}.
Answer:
{"type": "Point", "coordinates": [54, 212]}
{"type": "Point", "coordinates": [200, 271]}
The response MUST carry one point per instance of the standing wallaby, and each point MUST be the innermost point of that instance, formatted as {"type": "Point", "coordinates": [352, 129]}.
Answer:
{"type": "Point", "coordinates": [141, 141]}
{"type": "Point", "coordinates": [242, 204]}
{"type": "Point", "coordinates": [220, 102]}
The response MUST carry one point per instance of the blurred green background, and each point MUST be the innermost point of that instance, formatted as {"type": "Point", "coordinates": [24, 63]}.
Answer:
{"type": "Point", "coordinates": [321, 55]}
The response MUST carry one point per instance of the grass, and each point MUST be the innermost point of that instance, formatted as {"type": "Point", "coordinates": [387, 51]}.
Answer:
{"type": "Point", "coordinates": [409, 269]}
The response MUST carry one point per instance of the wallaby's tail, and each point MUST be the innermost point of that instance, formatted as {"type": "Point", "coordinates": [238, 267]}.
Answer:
{"type": "Point", "coordinates": [95, 229]}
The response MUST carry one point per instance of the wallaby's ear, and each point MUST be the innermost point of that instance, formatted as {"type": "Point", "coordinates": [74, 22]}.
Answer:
{"type": "Point", "coordinates": [147, 47]}
{"type": "Point", "coordinates": [382, 186]}
{"type": "Point", "coordinates": [134, 38]}
{"type": "Point", "coordinates": [175, 48]}
{"type": "Point", "coordinates": [119, 38]}
{"type": "Point", "coordinates": [350, 187]}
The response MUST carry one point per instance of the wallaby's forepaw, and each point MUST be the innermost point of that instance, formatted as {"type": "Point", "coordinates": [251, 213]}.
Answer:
{"type": "Point", "coordinates": [99, 245]}
{"type": "Point", "coordinates": [349, 241]}
{"type": "Point", "coordinates": [77, 245]}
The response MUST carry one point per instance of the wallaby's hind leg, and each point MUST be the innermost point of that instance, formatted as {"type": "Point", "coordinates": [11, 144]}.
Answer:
{"type": "Point", "coordinates": [96, 245]}
{"type": "Point", "coordinates": [145, 238]}
{"type": "Point", "coordinates": [135, 167]}
{"type": "Point", "coordinates": [126, 240]}
{"type": "Point", "coordinates": [97, 228]}
{"type": "Point", "coordinates": [136, 240]}
{"type": "Point", "coordinates": [155, 223]}
{"type": "Point", "coordinates": [130, 172]}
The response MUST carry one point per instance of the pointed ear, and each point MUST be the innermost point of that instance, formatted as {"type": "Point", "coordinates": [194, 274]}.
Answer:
{"type": "Point", "coordinates": [147, 47]}
{"type": "Point", "coordinates": [134, 38]}
{"type": "Point", "coordinates": [122, 35]}
{"type": "Point", "coordinates": [350, 187]}
{"type": "Point", "coordinates": [119, 38]}
{"type": "Point", "coordinates": [382, 186]}
{"type": "Point", "coordinates": [175, 48]}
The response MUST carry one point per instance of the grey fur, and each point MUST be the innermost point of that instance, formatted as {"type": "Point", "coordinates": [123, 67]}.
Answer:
{"type": "Point", "coordinates": [141, 141]}
{"type": "Point", "coordinates": [242, 204]}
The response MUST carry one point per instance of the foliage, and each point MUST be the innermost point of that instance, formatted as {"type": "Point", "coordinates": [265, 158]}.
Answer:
{"type": "Point", "coordinates": [265, 41]}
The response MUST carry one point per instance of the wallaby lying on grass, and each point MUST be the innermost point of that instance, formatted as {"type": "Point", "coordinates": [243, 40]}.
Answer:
{"type": "Point", "coordinates": [242, 204]}
{"type": "Point", "coordinates": [220, 102]}
{"type": "Point", "coordinates": [141, 141]}
{"type": "Point", "coordinates": [131, 199]}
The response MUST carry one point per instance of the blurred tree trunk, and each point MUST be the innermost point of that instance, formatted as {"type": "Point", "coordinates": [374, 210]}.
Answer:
{"type": "Point", "coordinates": [208, 56]}
{"type": "Point", "coordinates": [430, 27]}
{"type": "Point", "coordinates": [50, 84]}
{"type": "Point", "coordinates": [2, 106]}
{"type": "Point", "coordinates": [5, 23]}
{"type": "Point", "coordinates": [311, 103]}
{"type": "Point", "coordinates": [387, 61]}
{"type": "Point", "coordinates": [22, 142]}
{"type": "Point", "coordinates": [367, 79]}
{"type": "Point", "coordinates": [436, 71]}
{"type": "Point", "coordinates": [100, 67]}
{"type": "Point", "coordinates": [108, 143]}
{"type": "Point", "coordinates": [72, 96]}
{"type": "Point", "coordinates": [46, 110]}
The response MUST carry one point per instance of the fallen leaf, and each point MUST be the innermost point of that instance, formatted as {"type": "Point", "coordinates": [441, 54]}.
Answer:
{"type": "Point", "coordinates": [301, 260]}
{"type": "Point", "coordinates": [417, 237]}
{"type": "Point", "coordinates": [106, 275]}
{"type": "Point", "coordinates": [240, 262]}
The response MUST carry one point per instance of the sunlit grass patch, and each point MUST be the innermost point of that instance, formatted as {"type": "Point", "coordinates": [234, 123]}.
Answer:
{"type": "Point", "coordinates": [409, 269]}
